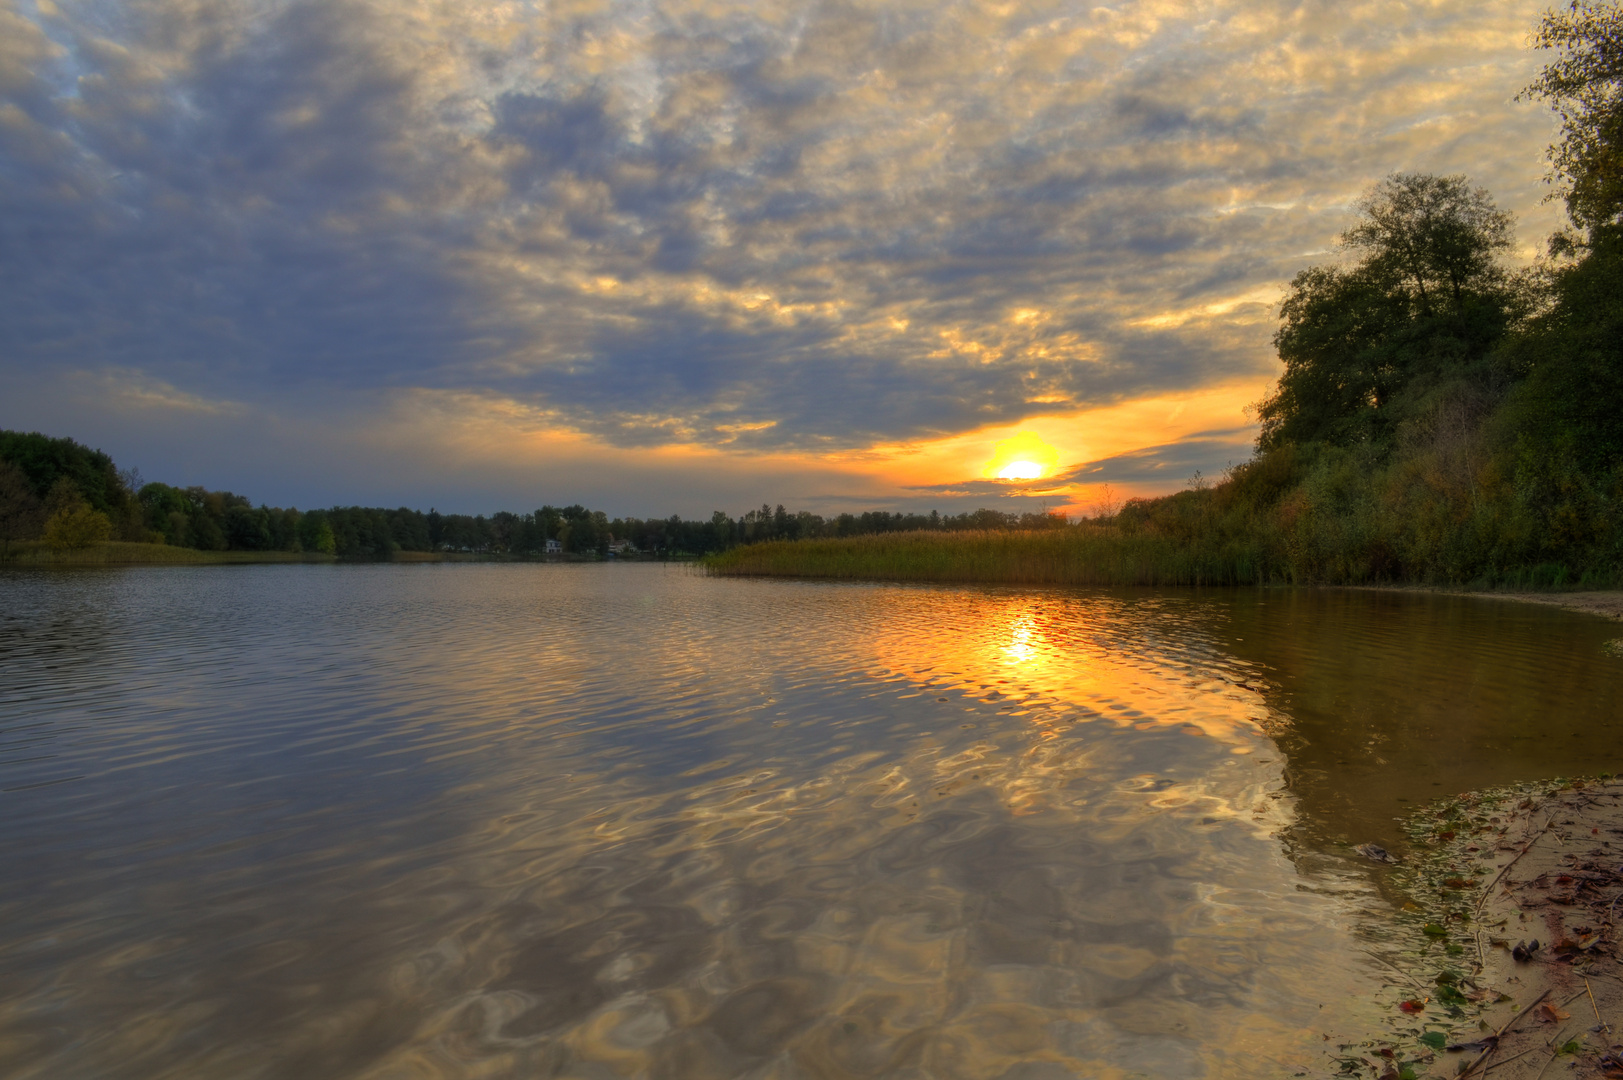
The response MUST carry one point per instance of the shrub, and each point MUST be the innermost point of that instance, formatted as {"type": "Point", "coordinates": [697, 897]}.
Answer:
{"type": "Point", "coordinates": [77, 527]}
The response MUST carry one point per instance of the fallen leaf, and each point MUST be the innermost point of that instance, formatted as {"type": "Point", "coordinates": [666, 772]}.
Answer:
{"type": "Point", "coordinates": [1434, 1039]}
{"type": "Point", "coordinates": [1412, 1007]}
{"type": "Point", "coordinates": [1458, 883]}
{"type": "Point", "coordinates": [1549, 1014]}
{"type": "Point", "coordinates": [1432, 929]}
{"type": "Point", "coordinates": [1448, 995]}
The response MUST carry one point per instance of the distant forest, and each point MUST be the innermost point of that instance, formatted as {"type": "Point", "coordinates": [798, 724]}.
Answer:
{"type": "Point", "coordinates": [70, 495]}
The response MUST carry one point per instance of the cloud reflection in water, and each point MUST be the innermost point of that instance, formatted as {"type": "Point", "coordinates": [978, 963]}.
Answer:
{"type": "Point", "coordinates": [617, 821]}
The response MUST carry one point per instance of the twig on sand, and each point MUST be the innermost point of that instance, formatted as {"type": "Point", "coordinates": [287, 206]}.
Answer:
{"type": "Point", "coordinates": [1483, 899]}
{"type": "Point", "coordinates": [1604, 1026]}
{"type": "Point", "coordinates": [1508, 1060]}
{"type": "Point", "coordinates": [1469, 1069]}
{"type": "Point", "coordinates": [1558, 1044]}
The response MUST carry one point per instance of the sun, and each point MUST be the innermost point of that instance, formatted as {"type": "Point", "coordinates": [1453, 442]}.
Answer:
{"type": "Point", "coordinates": [1020, 470]}
{"type": "Point", "coordinates": [1022, 456]}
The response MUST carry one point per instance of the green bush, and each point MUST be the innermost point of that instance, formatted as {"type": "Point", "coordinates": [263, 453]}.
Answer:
{"type": "Point", "coordinates": [77, 527]}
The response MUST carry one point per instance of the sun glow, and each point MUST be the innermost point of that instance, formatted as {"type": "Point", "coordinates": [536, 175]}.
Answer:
{"type": "Point", "coordinates": [1020, 470]}
{"type": "Point", "coordinates": [1022, 456]}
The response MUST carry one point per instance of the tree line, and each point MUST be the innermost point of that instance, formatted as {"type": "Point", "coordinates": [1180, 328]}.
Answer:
{"type": "Point", "coordinates": [69, 495]}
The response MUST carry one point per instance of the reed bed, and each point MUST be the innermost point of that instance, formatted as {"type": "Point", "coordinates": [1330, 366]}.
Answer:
{"type": "Point", "coordinates": [1082, 555]}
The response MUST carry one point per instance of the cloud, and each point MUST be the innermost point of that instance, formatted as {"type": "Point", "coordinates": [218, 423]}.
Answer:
{"type": "Point", "coordinates": [1169, 465]}
{"type": "Point", "coordinates": [766, 227]}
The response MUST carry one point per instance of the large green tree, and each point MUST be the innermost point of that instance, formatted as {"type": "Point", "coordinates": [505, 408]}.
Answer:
{"type": "Point", "coordinates": [1584, 83]}
{"type": "Point", "coordinates": [1368, 345]}
{"type": "Point", "coordinates": [21, 514]}
{"type": "Point", "coordinates": [1571, 405]}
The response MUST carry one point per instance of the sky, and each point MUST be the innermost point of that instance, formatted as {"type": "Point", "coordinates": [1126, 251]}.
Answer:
{"type": "Point", "coordinates": [670, 257]}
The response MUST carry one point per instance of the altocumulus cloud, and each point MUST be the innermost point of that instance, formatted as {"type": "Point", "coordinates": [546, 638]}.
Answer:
{"type": "Point", "coordinates": [765, 226]}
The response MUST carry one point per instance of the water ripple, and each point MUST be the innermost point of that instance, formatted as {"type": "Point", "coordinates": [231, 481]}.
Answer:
{"type": "Point", "coordinates": [626, 820]}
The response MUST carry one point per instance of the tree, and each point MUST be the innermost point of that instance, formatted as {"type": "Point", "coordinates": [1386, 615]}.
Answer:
{"type": "Point", "coordinates": [1365, 346]}
{"type": "Point", "coordinates": [77, 527]}
{"type": "Point", "coordinates": [1572, 400]}
{"type": "Point", "coordinates": [20, 512]}
{"type": "Point", "coordinates": [46, 462]}
{"type": "Point", "coordinates": [1584, 84]}
{"type": "Point", "coordinates": [63, 496]}
{"type": "Point", "coordinates": [1435, 234]}
{"type": "Point", "coordinates": [315, 533]}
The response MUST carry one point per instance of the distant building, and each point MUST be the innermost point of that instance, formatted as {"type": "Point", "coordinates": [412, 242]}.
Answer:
{"type": "Point", "coordinates": [623, 547]}
{"type": "Point", "coordinates": [554, 548]}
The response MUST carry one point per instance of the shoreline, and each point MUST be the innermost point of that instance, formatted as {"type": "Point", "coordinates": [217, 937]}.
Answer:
{"type": "Point", "coordinates": [33, 555]}
{"type": "Point", "coordinates": [1515, 966]}
{"type": "Point", "coordinates": [1605, 603]}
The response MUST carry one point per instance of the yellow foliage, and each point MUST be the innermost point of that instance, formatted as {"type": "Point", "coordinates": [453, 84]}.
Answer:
{"type": "Point", "coordinates": [77, 527]}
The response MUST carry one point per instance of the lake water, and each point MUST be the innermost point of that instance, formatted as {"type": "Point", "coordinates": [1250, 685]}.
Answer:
{"type": "Point", "coordinates": [625, 820]}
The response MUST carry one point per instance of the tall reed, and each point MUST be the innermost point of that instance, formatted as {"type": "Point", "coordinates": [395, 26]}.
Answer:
{"type": "Point", "coordinates": [1084, 555]}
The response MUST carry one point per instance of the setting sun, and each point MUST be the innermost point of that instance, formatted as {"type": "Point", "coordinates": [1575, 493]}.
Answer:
{"type": "Point", "coordinates": [1020, 470]}
{"type": "Point", "coordinates": [1022, 456]}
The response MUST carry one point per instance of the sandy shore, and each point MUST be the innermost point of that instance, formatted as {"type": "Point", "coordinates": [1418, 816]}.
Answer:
{"type": "Point", "coordinates": [1540, 880]}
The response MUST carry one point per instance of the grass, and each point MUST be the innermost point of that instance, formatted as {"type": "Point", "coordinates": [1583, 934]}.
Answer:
{"type": "Point", "coordinates": [121, 553]}
{"type": "Point", "coordinates": [1083, 555]}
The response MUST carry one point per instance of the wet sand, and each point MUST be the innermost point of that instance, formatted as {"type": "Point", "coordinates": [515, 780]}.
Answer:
{"type": "Point", "coordinates": [1544, 920]}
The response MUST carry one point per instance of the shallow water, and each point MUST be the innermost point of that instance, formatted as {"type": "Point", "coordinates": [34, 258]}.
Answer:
{"type": "Point", "coordinates": [624, 820]}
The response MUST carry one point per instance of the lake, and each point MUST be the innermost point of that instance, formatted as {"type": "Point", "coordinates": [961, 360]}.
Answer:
{"type": "Point", "coordinates": [626, 820]}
